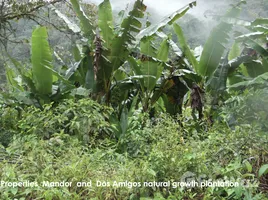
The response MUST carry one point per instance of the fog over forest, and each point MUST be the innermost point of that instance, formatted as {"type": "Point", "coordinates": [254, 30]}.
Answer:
{"type": "Point", "coordinates": [161, 8]}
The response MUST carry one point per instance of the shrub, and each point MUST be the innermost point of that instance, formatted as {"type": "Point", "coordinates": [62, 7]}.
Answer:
{"type": "Point", "coordinates": [250, 107]}
{"type": "Point", "coordinates": [84, 118]}
{"type": "Point", "coordinates": [223, 153]}
{"type": "Point", "coordinates": [9, 117]}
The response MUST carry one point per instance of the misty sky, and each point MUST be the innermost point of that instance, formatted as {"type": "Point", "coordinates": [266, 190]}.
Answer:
{"type": "Point", "coordinates": [160, 8]}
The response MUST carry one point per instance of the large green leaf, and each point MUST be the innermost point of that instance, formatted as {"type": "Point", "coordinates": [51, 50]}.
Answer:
{"type": "Point", "coordinates": [184, 46]}
{"type": "Point", "coordinates": [250, 40]}
{"type": "Point", "coordinates": [182, 61]}
{"type": "Point", "coordinates": [255, 68]}
{"type": "Point", "coordinates": [105, 23]}
{"type": "Point", "coordinates": [113, 57]}
{"type": "Point", "coordinates": [12, 79]}
{"type": "Point", "coordinates": [260, 21]}
{"type": "Point", "coordinates": [172, 44]}
{"type": "Point", "coordinates": [25, 75]}
{"type": "Point", "coordinates": [217, 83]}
{"type": "Point", "coordinates": [76, 53]}
{"type": "Point", "coordinates": [263, 170]}
{"type": "Point", "coordinates": [260, 28]}
{"type": "Point", "coordinates": [214, 46]}
{"type": "Point", "coordinates": [41, 60]}
{"type": "Point", "coordinates": [147, 47]}
{"type": "Point", "coordinates": [238, 62]}
{"type": "Point", "coordinates": [235, 51]}
{"type": "Point", "coordinates": [73, 69]}
{"type": "Point", "coordinates": [152, 30]}
{"type": "Point", "coordinates": [86, 25]}
{"type": "Point", "coordinates": [261, 80]}
{"type": "Point", "coordinates": [134, 65]}
{"type": "Point", "coordinates": [82, 71]}
{"type": "Point", "coordinates": [124, 38]}
{"type": "Point", "coordinates": [153, 68]}
{"type": "Point", "coordinates": [234, 54]}
{"type": "Point", "coordinates": [71, 26]}
{"type": "Point", "coordinates": [150, 69]}
{"type": "Point", "coordinates": [246, 39]}
{"type": "Point", "coordinates": [162, 53]}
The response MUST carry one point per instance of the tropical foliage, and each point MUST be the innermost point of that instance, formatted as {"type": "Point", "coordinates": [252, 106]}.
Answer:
{"type": "Point", "coordinates": [135, 104]}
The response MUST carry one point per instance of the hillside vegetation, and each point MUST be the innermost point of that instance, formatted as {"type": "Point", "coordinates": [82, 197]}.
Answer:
{"type": "Point", "coordinates": [116, 107]}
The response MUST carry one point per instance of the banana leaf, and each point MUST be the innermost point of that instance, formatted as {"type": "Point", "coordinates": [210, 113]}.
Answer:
{"type": "Point", "coordinates": [259, 28]}
{"type": "Point", "coordinates": [25, 75]}
{"type": "Point", "coordinates": [255, 68]}
{"type": "Point", "coordinates": [218, 82]}
{"type": "Point", "coordinates": [232, 74]}
{"type": "Point", "coordinates": [235, 21]}
{"type": "Point", "coordinates": [152, 30]}
{"type": "Point", "coordinates": [130, 25]}
{"type": "Point", "coordinates": [117, 53]}
{"type": "Point", "coordinates": [105, 17]}
{"type": "Point", "coordinates": [71, 26]}
{"type": "Point", "coordinates": [41, 60]}
{"type": "Point", "coordinates": [134, 65]}
{"type": "Point", "coordinates": [261, 80]}
{"type": "Point", "coordinates": [246, 39]}
{"type": "Point", "coordinates": [153, 68]}
{"type": "Point", "coordinates": [147, 47]}
{"type": "Point", "coordinates": [185, 48]}
{"type": "Point", "coordinates": [251, 36]}
{"type": "Point", "coordinates": [12, 79]}
{"type": "Point", "coordinates": [76, 53]}
{"type": "Point", "coordinates": [260, 21]}
{"type": "Point", "coordinates": [172, 44]}
{"type": "Point", "coordinates": [214, 46]}
{"type": "Point", "coordinates": [73, 69]}
{"type": "Point", "coordinates": [86, 25]}
{"type": "Point", "coordinates": [90, 82]}
{"type": "Point", "coordinates": [235, 51]}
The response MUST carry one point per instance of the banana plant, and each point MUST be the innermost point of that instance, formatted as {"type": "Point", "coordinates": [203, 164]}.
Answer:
{"type": "Point", "coordinates": [86, 25]}
{"type": "Point", "coordinates": [117, 44]}
{"type": "Point", "coordinates": [214, 66]}
{"type": "Point", "coordinates": [41, 80]}
{"type": "Point", "coordinates": [215, 45]}
{"type": "Point", "coordinates": [247, 63]}
{"type": "Point", "coordinates": [41, 62]}
{"type": "Point", "coordinates": [107, 47]}
{"type": "Point", "coordinates": [252, 45]}
{"type": "Point", "coordinates": [148, 68]}
{"type": "Point", "coordinates": [112, 46]}
{"type": "Point", "coordinates": [169, 20]}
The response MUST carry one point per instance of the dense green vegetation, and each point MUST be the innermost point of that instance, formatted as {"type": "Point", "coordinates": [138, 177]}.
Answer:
{"type": "Point", "coordinates": [129, 102]}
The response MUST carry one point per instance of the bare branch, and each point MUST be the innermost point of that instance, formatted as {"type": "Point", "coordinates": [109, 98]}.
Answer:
{"type": "Point", "coordinates": [23, 10]}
